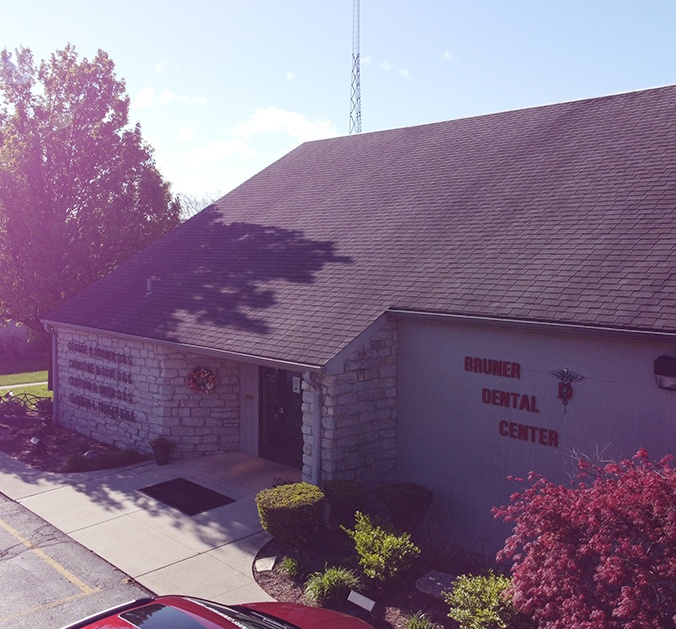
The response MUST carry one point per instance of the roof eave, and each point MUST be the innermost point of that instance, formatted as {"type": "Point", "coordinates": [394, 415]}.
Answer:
{"type": "Point", "coordinates": [544, 326]}
{"type": "Point", "coordinates": [208, 351]}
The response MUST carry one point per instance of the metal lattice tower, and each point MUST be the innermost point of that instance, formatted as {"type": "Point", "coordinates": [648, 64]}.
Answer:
{"type": "Point", "coordinates": [355, 96]}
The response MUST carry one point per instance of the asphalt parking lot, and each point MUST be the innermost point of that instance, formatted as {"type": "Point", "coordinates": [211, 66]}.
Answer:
{"type": "Point", "coordinates": [49, 580]}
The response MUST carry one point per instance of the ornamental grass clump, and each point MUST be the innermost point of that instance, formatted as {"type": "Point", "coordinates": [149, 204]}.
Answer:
{"type": "Point", "coordinates": [383, 555]}
{"type": "Point", "coordinates": [292, 514]}
{"type": "Point", "coordinates": [331, 586]}
{"type": "Point", "coordinates": [290, 567]}
{"type": "Point", "coordinates": [421, 620]}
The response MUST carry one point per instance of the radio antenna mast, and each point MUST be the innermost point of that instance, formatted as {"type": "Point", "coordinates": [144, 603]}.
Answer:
{"type": "Point", "coordinates": [355, 96]}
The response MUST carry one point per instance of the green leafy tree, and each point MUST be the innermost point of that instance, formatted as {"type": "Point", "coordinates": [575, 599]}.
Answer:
{"type": "Point", "coordinates": [79, 188]}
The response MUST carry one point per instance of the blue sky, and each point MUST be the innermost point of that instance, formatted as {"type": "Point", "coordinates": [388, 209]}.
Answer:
{"type": "Point", "coordinates": [222, 88]}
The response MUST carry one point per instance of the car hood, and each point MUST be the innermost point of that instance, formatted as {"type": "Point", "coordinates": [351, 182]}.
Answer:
{"type": "Point", "coordinates": [304, 617]}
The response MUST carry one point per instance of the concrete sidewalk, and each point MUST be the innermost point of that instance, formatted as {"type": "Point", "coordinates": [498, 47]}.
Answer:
{"type": "Point", "coordinates": [209, 555]}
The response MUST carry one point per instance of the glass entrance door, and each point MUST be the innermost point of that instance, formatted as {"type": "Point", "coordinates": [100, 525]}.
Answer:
{"type": "Point", "coordinates": [281, 416]}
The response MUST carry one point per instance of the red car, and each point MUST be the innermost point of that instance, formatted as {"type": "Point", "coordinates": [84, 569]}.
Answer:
{"type": "Point", "coordinates": [182, 612]}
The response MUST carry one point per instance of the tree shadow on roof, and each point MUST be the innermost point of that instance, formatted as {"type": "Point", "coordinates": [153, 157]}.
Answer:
{"type": "Point", "coordinates": [208, 274]}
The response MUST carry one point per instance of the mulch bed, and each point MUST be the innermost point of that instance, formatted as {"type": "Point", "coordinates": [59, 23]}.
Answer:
{"type": "Point", "coordinates": [57, 449]}
{"type": "Point", "coordinates": [394, 605]}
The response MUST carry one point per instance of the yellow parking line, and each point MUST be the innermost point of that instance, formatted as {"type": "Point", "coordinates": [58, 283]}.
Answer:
{"type": "Point", "coordinates": [32, 610]}
{"type": "Point", "coordinates": [83, 587]}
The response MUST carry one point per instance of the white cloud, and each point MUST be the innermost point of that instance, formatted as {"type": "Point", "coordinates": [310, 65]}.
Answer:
{"type": "Point", "coordinates": [159, 67]}
{"type": "Point", "coordinates": [147, 98]}
{"type": "Point", "coordinates": [293, 124]}
{"type": "Point", "coordinates": [388, 67]}
{"type": "Point", "coordinates": [218, 150]}
{"type": "Point", "coordinates": [167, 96]}
{"type": "Point", "coordinates": [170, 97]}
{"type": "Point", "coordinates": [186, 133]}
{"type": "Point", "coordinates": [290, 76]}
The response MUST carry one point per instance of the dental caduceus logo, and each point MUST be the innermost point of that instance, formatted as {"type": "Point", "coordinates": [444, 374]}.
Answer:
{"type": "Point", "coordinates": [566, 378]}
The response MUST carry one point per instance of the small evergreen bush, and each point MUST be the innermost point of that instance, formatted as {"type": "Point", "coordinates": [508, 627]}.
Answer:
{"type": "Point", "coordinates": [406, 503]}
{"type": "Point", "coordinates": [278, 481]}
{"type": "Point", "coordinates": [383, 555]}
{"type": "Point", "coordinates": [118, 458]}
{"type": "Point", "coordinates": [105, 459]}
{"type": "Point", "coordinates": [292, 513]}
{"type": "Point", "coordinates": [345, 498]}
{"type": "Point", "coordinates": [482, 602]}
{"type": "Point", "coordinates": [331, 586]}
{"type": "Point", "coordinates": [77, 462]}
{"type": "Point", "coordinates": [45, 406]}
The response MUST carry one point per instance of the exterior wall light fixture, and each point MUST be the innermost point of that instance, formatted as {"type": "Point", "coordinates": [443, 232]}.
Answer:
{"type": "Point", "coordinates": [665, 372]}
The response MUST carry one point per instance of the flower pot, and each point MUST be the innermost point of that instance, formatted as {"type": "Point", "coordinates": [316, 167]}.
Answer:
{"type": "Point", "coordinates": [161, 455]}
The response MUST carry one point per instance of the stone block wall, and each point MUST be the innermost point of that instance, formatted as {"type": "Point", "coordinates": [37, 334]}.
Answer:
{"type": "Point", "coordinates": [200, 423]}
{"type": "Point", "coordinates": [126, 392]}
{"type": "Point", "coordinates": [358, 414]}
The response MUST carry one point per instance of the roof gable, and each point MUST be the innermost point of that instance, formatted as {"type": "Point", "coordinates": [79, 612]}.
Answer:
{"type": "Point", "coordinates": [562, 213]}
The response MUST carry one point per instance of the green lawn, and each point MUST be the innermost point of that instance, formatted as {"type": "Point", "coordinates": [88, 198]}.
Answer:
{"type": "Point", "coordinates": [39, 390]}
{"type": "Point", "coordinates": [23, 370]}
{"type": "Point", "coordinates": [23, 378]}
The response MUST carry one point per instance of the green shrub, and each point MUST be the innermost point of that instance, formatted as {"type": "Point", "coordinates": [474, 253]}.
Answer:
{"type": "Point", "coordinates": [345, 498]}
{"type": "Point", "coordinates": [383, 555]}
{"type": "Point", "coordinates": [77, 462]}
{"type": "Point", "coordinates": [119, 458]}
{"type": "Point", "coordinates": [104, 459]}
{"type": "Point", "coordinates": [45, 406]}
{"type": "Point", "coordinates": [331, 586]}
{"type": "Point", "coordinates": [11, 406]}
{"type": "Point", "coordinates": [406, 503]}
{"type": "Point", "coordinates": [278, 481]}
{"type": "Point", "coordinates": [290, 567]}
{"type": "Point", "coordinates": [292, 514]}
{"type": "Point", "coordinates": [482, 602]}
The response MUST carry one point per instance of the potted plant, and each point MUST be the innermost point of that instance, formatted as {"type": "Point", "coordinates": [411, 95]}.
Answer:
{"type": "Point", "coordinates": [161, 449]}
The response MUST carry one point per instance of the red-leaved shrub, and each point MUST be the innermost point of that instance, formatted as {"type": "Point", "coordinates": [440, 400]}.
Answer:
{"type": "Point", "coordinates": [599, 554]}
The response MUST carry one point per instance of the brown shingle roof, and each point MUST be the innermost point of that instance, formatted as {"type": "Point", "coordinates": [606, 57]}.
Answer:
{"type": "Point", "coordinates": [564, 213]}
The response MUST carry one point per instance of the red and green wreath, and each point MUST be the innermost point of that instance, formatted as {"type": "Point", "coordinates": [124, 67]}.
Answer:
{"type": "Point", "coordinates": [201, 380]}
